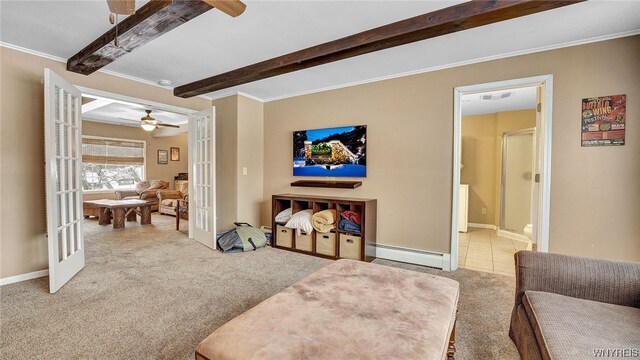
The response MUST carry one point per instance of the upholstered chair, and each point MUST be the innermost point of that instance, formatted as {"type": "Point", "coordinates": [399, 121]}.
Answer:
{"type": "Point", "coordinates": [144, 190]}
{"type": "Point", "coordinates": [168, 199]}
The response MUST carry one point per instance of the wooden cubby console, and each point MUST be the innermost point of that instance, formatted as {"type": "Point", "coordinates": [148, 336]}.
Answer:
{"type": "Point", "coordinates": [333, 245]}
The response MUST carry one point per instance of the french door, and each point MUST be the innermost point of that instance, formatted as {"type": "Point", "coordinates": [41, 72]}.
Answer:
{"type": "Point", "coordinates": [202, 209]}
{"type": "Point", "coordinates": [63, 131]}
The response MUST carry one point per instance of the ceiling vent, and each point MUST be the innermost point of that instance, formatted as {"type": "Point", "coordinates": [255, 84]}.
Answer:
{"type": "Point", "coordinates": [497, 96]}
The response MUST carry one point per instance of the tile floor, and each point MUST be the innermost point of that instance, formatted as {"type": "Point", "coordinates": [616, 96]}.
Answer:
{"type": "Point", "coordinates": [484, 250]}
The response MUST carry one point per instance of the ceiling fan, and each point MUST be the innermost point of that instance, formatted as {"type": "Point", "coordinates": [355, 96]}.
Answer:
{"type": "Point", "coordinates": [149, 124]}
{"type": "Point", "coordinates": [230, 7]}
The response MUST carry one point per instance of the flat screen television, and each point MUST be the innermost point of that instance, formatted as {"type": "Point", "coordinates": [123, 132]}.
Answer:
{"type": "Point", "coordinates": [339, 152]}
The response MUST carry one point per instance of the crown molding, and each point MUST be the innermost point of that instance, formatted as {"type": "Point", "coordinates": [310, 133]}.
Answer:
{"type": "Point", "coordinates": [461, 63]}
{"type": "Point", "coordinates": [212, 97]}
{"type": "Point", "coordinates": [108, 72]}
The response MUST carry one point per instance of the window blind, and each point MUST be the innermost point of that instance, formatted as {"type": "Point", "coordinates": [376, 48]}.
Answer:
{"type": "Point", "coordinates": [115, 152]}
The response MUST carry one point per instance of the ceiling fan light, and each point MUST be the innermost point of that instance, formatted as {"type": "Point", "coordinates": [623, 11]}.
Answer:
{"type": "Point", "coordinates": [148, 127]}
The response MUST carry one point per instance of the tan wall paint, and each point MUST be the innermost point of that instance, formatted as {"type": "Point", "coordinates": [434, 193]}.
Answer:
{"type": "Point", "coordinates": [479, 166]}
{"type": "Point", "coordinates": [226, 161]}
{"type": "Point", "coordinates": [506, 122]}
{"type": "Point", "coordinates": [153, 170]}
{"type": "Point", "coordinates": [22, 225]}
{"type": "Point", "coordinates": [250, 155]}
{"type": "Point", "coordinates": [239, 143]}
{"type": "Point", "coordinates": [411, 138]}
{"type": "Point", "coordinates": [482, 159]}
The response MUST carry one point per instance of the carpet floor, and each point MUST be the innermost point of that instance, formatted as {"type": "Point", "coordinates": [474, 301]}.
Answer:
{"type": "Point", "coordinates": [151, 293]}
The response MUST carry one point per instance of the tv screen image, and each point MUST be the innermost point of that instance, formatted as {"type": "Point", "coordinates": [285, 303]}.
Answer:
{"type": "Point", "coordinates": [339, 152]}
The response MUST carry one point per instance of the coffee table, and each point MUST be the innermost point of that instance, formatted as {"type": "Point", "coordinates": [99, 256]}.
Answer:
{"type": "Point", "coordinates": [121, 210]}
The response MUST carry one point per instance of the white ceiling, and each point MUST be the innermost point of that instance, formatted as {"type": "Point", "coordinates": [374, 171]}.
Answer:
{"type": "Point", "coordinates": [499, 101]}
{"type": "Point", "coordinates": [214, 42]}
{"type": "Point", "coordinates": [112, 111]}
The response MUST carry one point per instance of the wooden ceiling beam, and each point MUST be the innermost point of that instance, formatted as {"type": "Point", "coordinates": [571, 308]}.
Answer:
{"type": "Point", "coordinates": [154, 19]}
{"type": "Point", "coordinates": [449, 20]}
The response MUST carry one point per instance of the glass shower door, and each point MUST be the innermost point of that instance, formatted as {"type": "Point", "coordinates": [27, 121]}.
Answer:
{"type": "Point", "coordinates": [517, 169]}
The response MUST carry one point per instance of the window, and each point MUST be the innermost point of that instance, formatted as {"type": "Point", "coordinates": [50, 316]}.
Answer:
{"type": "Point", "coordinates": [111, 164]}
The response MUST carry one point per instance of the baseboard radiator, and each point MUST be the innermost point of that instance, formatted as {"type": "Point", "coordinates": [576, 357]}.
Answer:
{"type": "Point", "coordinates": [414, 256]}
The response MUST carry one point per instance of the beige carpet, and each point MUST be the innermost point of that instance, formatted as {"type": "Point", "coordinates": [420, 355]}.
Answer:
{"type": "Point", "coordinates": [150, 293]}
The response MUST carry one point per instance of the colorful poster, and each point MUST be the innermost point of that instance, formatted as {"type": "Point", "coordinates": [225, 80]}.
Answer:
{"type": "Point", "coordinates": [603, 120]}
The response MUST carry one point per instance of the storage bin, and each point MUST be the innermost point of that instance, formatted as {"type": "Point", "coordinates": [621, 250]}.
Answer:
{"type": "Point", "coordinates": [326, 244]}
{"type": "Point", "coordinates": [350, 246]}
{"type": "Point", "coordinates": [284, 236]}
{"type": "Point", "coordinates": [304, 242]}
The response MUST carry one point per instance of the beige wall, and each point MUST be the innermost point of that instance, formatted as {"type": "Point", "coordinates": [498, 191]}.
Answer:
{"type": "Point", "coordinates": [482, 159]}
{"type": "Point", "coordinates": [506, 122]}
{"type": "Point", "coordinates": [479, 166]}
{"type": "Point", "coordinates": [23, 247]}
{"type": "Point", "coordinates": [226, 161]}
{"type": "Point", "coordinates": [250, 156]}
{"type": "Point", "coordinates": [153, 170]}
{"type": "Point", "coordinates": [411, 138]}
{"type": "Point", "coordinates": [239, 143]}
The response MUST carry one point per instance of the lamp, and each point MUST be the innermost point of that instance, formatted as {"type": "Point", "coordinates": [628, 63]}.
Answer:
{"type": "Point", "coordinates": [148, 125]}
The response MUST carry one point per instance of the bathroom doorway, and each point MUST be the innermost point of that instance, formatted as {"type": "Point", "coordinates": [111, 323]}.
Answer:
{"type": "Point", "coordinates": [501, 172]}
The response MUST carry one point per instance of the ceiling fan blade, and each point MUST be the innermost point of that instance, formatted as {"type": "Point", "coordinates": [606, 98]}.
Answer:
{"type": "Point", "coordinates": [138, 121]}
{"type": "Point", "coordinates": [230, 7]}
{"type": "Point", "coordinates": [123, 7]}
{"type": "Point", "coordinates": [167, 125]}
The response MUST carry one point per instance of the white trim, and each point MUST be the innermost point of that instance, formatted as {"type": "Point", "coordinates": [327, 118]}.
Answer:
{"type": "Point", "coordinates": [108, 72]}
{"type": "Point", "coordinates": [130, 100]}
{"type": "Point", "coordinates": [235, 93]}
{"type": "Point", "coordinates": [354, 83]}
{"type": "Point", "coordinates": [413, 256]}
{"type": "Point", "coordinates": [542, 238]}
{"type": "Point", "coordinates": [24, 277]}
{"type": "Point", "coordinates": [240, 93]}
{"type": "Point", "coordinates": [455, 193]}
{"type": "Point", "coordinates": [512, 235]}
{"type": "Point", "coordinates": [462, 63]}
{"type": "Point", "coordinates": [482, 226]}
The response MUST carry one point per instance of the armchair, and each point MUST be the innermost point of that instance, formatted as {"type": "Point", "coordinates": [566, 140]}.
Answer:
{"type": "Point", "coordinates": [572, 307]}
{"type": "Point", "coordinates": [168, 199]}
{"type": "Point", "coordinates": [144, 190]}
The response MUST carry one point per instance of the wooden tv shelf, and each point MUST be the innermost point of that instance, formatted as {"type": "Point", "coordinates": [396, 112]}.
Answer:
{"type": "Point", "coordinates": [328, 184]}
{"type": "Point", "coordinates": [336, 244]}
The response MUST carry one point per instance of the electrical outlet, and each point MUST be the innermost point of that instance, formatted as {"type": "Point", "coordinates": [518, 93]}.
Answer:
{"type": "Point", "coordinates": [484, 211]}
{"type": "Point", "coordinates": [244, 171]}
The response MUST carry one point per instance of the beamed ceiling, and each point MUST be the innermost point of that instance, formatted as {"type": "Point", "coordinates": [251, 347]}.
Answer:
{"type": "Point", "coordinates": [215, 43]}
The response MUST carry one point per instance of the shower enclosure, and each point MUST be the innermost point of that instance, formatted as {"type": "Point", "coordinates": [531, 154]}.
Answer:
{"type": "Point", "coordinates": [516, 184]}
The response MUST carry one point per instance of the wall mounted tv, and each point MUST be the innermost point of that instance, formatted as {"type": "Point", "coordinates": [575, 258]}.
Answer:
{"type": "Point", "coordinates": [339, 152]}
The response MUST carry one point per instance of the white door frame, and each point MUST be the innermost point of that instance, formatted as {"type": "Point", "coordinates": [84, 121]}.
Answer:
{"type": "Point", "coordinates": [543, 152]}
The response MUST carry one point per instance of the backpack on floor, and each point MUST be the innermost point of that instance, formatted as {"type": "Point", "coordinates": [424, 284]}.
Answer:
{"type": "Point", "coordinates": [243, 238]}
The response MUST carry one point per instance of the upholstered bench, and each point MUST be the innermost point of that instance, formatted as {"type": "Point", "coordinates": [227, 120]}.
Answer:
{"type": "Point", "coordinates": [346, 310]}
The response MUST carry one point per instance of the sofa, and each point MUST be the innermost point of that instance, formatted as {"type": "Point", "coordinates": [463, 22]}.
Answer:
{"type": "Point", "coordinates": [168, 199]}
{"type": "Point", "coordinates": [569, 307]}
{"type": "Point", "coordinates": [144, 190]}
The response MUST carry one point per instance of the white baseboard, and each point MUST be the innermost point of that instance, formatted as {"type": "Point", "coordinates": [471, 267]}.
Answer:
{"type": "Point", "coordinates": [482, 226]}
{"type": "Point", "coordinates": [413, 256]}
{"type": "Point", "coordinates": [23, 277]}
{"type": "Point", "coordinates": [513, 236]}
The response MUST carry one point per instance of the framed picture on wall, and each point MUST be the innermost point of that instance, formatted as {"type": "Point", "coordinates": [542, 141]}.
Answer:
{"type": "Point", "coordinates": [175, 153]}
{"type": "Point", "coordinates": [163, 157]}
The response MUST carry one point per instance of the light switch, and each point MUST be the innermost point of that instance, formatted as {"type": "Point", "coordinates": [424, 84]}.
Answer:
{"type": "Point", "coordinates": [244, 170]}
